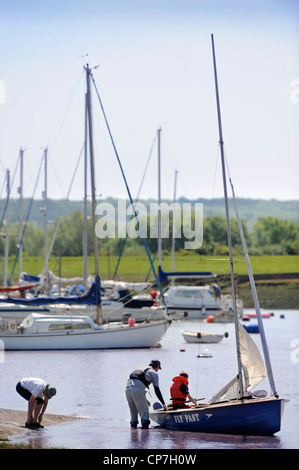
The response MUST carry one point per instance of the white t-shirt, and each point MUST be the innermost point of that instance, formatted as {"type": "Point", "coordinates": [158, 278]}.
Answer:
{"type": "Point", "coordinates": [35, 386]}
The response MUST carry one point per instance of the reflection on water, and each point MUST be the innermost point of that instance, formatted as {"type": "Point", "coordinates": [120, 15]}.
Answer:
{"type": "Point", "coordinates": [91, 435]}
{"type": "Point", "coordinates": [92, 383]}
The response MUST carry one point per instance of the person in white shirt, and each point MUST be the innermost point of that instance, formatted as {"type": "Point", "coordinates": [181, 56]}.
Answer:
{"type": "Point", "coordinates": [37, 392]}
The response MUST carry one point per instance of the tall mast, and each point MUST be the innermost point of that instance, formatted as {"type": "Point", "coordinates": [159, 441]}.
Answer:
{"type": "Point", "coordinates": [85, 200]}
{"type": "Point", "coordinates": [20, 190]}
{"type": "Point", "coordinates": [221, 143]}
{"type": "Point", "coordinates": [45, 195]}
{"type": "Point", "coordinates": [159, 201]}
{"type": "Point", "coordinates": [6, 230]}
{"type": "Point", "coordinates": [93, 193]}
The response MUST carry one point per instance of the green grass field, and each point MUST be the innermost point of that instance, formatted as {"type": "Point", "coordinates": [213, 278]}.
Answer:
{"type": "Point", "coordinates": [136, 268]}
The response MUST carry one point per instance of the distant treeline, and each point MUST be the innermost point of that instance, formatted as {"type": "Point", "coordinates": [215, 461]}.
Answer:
{"type": "Point", "coordinates": [250, 210]}
{"type": "Point", "coordinates": [269, 236]}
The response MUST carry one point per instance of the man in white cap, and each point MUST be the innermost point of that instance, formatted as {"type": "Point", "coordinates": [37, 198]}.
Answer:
{"type": "Point", "coordinates": [135, 392]}
{"type": "Point", "coordinates": [37, 392]}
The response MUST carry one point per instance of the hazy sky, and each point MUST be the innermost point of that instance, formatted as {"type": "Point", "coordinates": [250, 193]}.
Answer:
{"type": "Point", "coordinates": [155, 69]}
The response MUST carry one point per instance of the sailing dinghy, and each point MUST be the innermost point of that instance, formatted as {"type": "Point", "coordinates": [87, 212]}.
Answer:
{"type": "Point", "coordinates": [236, 408]}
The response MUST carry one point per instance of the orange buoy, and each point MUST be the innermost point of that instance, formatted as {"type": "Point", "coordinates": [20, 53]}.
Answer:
{"type": "Point", "coordinates": [210, 319]}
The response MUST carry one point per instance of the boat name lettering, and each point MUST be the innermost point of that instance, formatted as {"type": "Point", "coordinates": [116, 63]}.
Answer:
{"type": "Point", "coordinates": [188, 418]}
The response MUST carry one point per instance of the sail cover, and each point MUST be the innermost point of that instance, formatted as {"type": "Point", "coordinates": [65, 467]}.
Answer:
{"type": "Point", "coordinates": [252, 366]}
{"type": "Point", "coordinates": [91, 297]}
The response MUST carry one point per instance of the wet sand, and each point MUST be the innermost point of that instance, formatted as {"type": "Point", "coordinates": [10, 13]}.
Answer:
{"type": "Point", "coordinates": [12, 422]}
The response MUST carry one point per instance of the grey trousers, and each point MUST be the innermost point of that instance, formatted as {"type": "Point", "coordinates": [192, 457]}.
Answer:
{"type": "Point", "coordinates": [138, 406]}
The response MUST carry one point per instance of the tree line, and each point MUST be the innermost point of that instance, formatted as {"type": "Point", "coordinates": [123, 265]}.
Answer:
{"type": "Point", "coordinates": [270, 236]}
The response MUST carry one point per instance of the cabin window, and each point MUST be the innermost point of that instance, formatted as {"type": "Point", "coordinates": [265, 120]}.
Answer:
{"type": "Point", "coordinates": [184, 294]}
{"type": "Point", "coordinates": [68, 326]}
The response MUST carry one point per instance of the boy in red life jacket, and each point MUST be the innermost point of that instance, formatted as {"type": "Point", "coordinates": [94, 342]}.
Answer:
{"type": "Point", "coordinates": [179, 391]}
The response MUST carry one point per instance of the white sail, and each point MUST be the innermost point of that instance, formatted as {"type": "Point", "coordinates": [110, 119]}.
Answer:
{"type": "Point", "coordinates": [252, 366]}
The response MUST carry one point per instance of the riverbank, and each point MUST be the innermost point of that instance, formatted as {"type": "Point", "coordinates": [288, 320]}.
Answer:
{"type": "Point", "coordinates": [12, 423]}
{"type": "Point", "coordinates": [274, 291]}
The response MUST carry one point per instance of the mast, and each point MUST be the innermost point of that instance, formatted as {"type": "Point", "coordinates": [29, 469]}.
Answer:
{"type": "Point", "coordinates": [255, 299]}
{"type": "Point", "coordinates": [93, 209]}
{"type": "Point", "coordinates": [85, 200]}
{"type": "Point", "coordinates": [6, 230]}
{"type": "Point", "coordinates": [45, 196]}
{"type": "Point", "coordinates": [221, 143]}
{"type": "Point", "coordinates": [20, 191]}
{"type": "Point", "coordinates": [159, 201]}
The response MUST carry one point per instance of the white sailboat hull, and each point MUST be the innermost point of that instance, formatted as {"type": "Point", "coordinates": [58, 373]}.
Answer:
{"type": "Point", "coordinates": [105, 337]}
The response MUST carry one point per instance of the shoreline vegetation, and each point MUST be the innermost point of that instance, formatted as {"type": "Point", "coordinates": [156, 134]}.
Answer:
{"type": "Point", "coordinates": [277, 277]}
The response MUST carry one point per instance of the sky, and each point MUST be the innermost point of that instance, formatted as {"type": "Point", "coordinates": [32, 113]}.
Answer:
{"type": "Point", "coordinates": [152, 65]}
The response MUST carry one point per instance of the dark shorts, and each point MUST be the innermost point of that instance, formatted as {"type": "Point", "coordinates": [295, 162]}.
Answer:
{"type": "Point", "coordinates": [26, 394]}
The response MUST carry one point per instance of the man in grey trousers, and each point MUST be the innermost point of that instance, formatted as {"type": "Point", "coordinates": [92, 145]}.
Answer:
{"type": "Point", "coordinates": [139, 380]}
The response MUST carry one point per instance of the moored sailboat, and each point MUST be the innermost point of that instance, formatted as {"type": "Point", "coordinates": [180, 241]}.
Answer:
{"type": "Point", "coordinates": [59, 332]}
{"type": "Point", "coordinates": [236, 408]}
{"type": "Point", "coordinates": [50, 332]}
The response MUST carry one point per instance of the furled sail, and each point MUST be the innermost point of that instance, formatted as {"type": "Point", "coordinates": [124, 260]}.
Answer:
{"type": "Point", "coordinates": [91, 297]}
{"type": "Point", "coordinates": [252, 366]}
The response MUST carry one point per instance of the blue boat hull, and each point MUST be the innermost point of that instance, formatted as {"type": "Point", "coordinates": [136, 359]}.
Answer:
{"type": "Point", "coordinates": [257, 417]}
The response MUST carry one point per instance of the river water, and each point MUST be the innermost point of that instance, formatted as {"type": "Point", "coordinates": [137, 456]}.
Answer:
{"type": "Point", "coordinates": [91, 384]}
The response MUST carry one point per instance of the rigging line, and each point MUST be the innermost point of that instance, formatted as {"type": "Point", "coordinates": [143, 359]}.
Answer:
{"type": "Point", "coordinates": [3, 186]}
{"type": "Point", "coordinates": [128, 191]}
{"type": "Point", "coordinates": [142, 291]}
{"type": "Point", "coordinates": [3, 168]}
{"type": "Point", "coordinates": [60, 124]}
{"type": "Point", "coordinates": [61, 215]}
{"type": "Point", "coordinates": [65, 112]}
{"type": "Point", "coordinates": [213, 192]}
{"type": "Point", "coordinates": [138, 194]}
{"type": "Point", "coordinates": [25, 224]}
{"type": "Point", "coordinates": [8, 196]}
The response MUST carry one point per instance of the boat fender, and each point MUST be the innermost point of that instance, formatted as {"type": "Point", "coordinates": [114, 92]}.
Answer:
{"type": "Point", "coordinates": [131, 321]}
{"type": "Point", "coordinates": [198, 335]}
{"type": "Point", "coordinates": [226, 334]}
{"type": "Point", "coordinates": [210, 319]}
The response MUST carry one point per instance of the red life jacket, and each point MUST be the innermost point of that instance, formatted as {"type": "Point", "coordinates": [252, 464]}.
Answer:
{"type": "Point", "coordinates": [178, 397]}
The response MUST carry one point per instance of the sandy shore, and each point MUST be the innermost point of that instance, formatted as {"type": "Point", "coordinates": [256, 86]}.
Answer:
{"type": "Point", "coordinates": [12, 422]}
